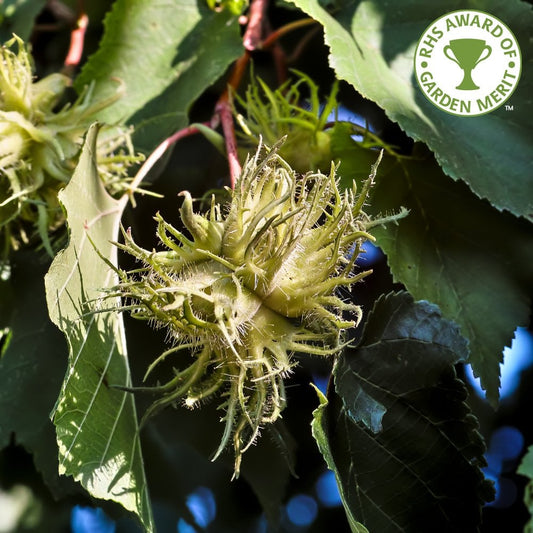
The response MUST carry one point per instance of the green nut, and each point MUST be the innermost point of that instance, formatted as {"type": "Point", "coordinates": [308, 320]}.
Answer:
{"type": "Point", "coordinates": [39, 146]}
{"type": "Point", "coordinates": [249, 286]}
{"type": "Point", "coordinates": [266, 116]}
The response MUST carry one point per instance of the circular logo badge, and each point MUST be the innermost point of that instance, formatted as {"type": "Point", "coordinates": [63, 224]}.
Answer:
{"type": "Point", "coordinates": [468, 63]}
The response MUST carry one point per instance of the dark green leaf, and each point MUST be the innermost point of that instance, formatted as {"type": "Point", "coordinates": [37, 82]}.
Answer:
{"type": "Point", "coordinates": [452, 249]}
{"type": "Point", "coordinates": [18, 16]}
{"type": "Point", "coordinates": [160, 53]}
{"type": "Point", "coordinates": [31, 371]}
{"type": "Point", "coordinates": [419, 469]}
{"type": "Point", "coordinates": [460, 253]}
{"type": "Point", "coordinates": [96, 424]}
{"type": "Point", "coordinates": [372, 45]}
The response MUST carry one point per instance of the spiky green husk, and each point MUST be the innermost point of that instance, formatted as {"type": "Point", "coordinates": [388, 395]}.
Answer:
{"type": "Point", "coordinates": [249, 288]}
{"type": "Point", "coordinates": [269, 115]}
{"type": "Point", "coordinates": [39, 147]}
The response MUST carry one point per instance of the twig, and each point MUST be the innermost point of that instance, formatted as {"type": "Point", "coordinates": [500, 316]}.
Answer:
{"type": "Point", "coordinates": [153, 158]}
{"type": "Point", "coordinates": [223, 110]}
{"type": "Point", "coordinates": [77, 39]}
{"type": "Point", "coordinates": [280, 32]}
{"type": "Point", "coordinates": [252, 41]}
{"type": "Point", "coordinates": [280, 61]}
{"type": "Point", "coordinates": [253, 34]}
{"type": "Point", "coordinates": [299, 48]}
{"type": "Point", "coordinates": [238, 70]}
{"type": "Point", "coordinates": [224, 114]}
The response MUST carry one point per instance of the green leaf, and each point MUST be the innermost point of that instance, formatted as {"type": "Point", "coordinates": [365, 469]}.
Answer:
{"type": "Point", "coordinates": [419, 468]}
{"type": "Point", "coordinates": [526, 469]}
{"type": "Point", "coordinates": [459, 253]}
{"type": "Point", "coordinates": [372, 45]}
{"type": "Point", "coordinates": [18, 16]}
{"type": "Point", "coordinates": [319, 427]}
{"type": "Point", "coordinates": [31, 371]}
{"type": "Point", "coordinates": [160, 52]}
{"type": "Point", "coordinates": [96, 424]}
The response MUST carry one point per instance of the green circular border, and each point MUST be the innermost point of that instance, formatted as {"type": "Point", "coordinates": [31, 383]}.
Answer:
{"type": "Point", "coordinates": [416, 72]}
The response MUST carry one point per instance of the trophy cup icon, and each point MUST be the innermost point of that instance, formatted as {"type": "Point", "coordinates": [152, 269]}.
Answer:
{"type": "Point", "coordinates": [467, 53]}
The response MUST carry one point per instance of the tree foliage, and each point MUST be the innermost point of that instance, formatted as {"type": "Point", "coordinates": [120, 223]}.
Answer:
{"type": "Point", "coordinates": [452, 214]}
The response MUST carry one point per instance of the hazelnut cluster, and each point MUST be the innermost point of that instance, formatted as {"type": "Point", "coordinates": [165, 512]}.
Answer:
{"type": "Point", "coordinates": [242, 289]}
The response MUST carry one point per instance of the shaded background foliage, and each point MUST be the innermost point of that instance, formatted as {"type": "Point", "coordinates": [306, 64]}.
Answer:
{"type": "Point", "coordinates": [176, 446]}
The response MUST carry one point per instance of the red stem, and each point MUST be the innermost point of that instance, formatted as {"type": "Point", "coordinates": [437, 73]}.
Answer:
{"type": "Point", "coordinates": [299, 48]}
{"type": "Point", "coordinates": [77, 38]}
{"type": "Point", "coordinates": [238, 70]}
{"type": "Point", "coordinates": [223, 113]}
{"type": "Point", "coordinates": [280, 61]}
{"type": "Point", "coordinates": [153, 158]}
{"type": "Point", "coordinates": [252, 41]}
{"type": "Point", "coordinates": [253, 34]}
{"type": "Point", "coordinates": [275, 35]}
{"type": "Point", "coordinates": [223, 110]}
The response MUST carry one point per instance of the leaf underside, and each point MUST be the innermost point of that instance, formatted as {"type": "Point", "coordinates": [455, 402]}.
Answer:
{"type": "Point", "coordinates": [96, 425]}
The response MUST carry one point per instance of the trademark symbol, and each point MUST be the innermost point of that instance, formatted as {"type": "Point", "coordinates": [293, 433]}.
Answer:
{"type": "Point", "coordinates": [509, 107]}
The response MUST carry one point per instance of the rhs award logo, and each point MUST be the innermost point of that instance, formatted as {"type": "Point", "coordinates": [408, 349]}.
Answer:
{"type": "Point", "coordinates": [468, 63]}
